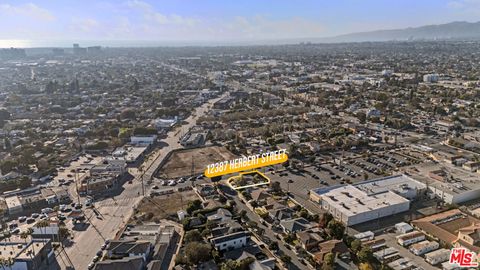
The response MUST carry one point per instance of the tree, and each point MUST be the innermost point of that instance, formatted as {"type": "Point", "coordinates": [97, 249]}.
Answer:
{"type": "Point", "coordinates": [365, 254]}
{"type": "Point", "coordinates": [285, 259]}
{"type": "Point", "coordinates": [127, 114]}
{"type": "Point", "coordinates": [329, 259]}
{"type": "Point", "coordinates": [326, 218]}
{"type": "Point", "coordinates": [356, 245]}
{"type": "Point", "coordinates": [365, 266]}
{"type": "Point", "coordinates": [63, 233]}
{"type": "Point", "coordinates": [243, 215]}
{"type": "Point", "coordinates": [42, 224]}
{"type": "Point", "coordinates": [276, 187]}
{"type": "Point", "coordinates": [289, 238]}
{"type": "Point", "coordinates": [273, 245]}
{"type": "Point", "coordinates": [194, 205]}
{"type": "Point", "coordinates": [193, 236]}
{"type": "Point", "coordinates": [197, 252]}
{"type": "Point", "coordinates": [336, 229]}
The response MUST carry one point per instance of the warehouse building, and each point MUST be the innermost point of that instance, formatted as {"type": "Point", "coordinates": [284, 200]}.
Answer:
{"type": "Point", "coordinates": [369, 200]}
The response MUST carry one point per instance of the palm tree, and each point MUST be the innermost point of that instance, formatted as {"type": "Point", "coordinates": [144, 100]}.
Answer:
{"type": "Point", "coordinates": [24, 235]}
{"type": "Point", "coordinates": [42, 224]}
{"type": "Point", "coordinates": [63, 233]}
{"type": "Point", "coordinates": [7, 263]}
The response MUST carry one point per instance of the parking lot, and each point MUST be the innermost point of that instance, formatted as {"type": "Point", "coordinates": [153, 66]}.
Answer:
{"type": "Point", "coordinates": [77, 169]}
{"type": "Point", "coordinates": [58, 214]}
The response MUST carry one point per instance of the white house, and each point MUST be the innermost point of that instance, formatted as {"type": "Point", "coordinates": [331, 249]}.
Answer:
{"type": "Point", "coordinates": [231, 241]}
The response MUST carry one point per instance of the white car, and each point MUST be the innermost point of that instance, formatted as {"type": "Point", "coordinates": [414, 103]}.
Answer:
{"type": "Point", "coordinates": [172, 183]}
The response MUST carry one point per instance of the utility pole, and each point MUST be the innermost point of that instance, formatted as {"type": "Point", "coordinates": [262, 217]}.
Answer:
{"type": "Point", "coordinates": [76, 185]}
{"type": "Point", "coordinates": [142, 176]}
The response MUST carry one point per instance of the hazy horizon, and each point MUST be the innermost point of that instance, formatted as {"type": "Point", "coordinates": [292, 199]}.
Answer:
{"type": "Point", "coordinates": [46, 23]}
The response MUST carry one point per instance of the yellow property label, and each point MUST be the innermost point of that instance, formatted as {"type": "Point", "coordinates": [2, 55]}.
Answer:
{"type": "Point", "coordinates": [246, 163]}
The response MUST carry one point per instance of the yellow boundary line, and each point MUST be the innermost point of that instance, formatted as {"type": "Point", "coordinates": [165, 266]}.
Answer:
{"type": "Point", "coordinates": [229, 180]}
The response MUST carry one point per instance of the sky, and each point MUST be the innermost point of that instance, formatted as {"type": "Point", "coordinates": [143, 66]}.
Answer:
{"type": "Point", "coordinates": [26, 23]}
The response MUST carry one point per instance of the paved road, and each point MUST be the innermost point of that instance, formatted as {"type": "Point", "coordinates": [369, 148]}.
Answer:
{"type": "Point", "coordinates": [391, 241]}
{"type": "Point", "coordinates": [116, 211]}
{"type": "Point", "coordinates": [270, 234]}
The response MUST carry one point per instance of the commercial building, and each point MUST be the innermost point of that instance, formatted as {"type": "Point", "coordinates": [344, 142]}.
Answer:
{"type": "Point", "coordinates": [143, 140]}
{"type": "Point", "coordinates": [437, 256]}
{"type": "Point", "coordinates": [423, 247]}
{"type": "Point", "coordinates": [452, 184]}
{"type": "Point", "coordinates": [410, 238]}
{"type": "Point", "coordinates": [130, 154]}
{"type": "Point", "coordinates": [370, 200]}
{"type": "Point", "coordinates": [452, 228]}
{"type": "Point", "coordinates": [430, 78]}
{"type": "Point", "coordinates": [26, 254]}
{"type": "Point", "coordinates": [165, 123]}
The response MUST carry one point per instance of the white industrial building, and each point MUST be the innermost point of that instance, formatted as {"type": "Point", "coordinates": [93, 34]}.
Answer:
{"type": "Point", "coordinates": [424, 247]}
{"type": "Point", "coordinates": [452, 184]}
{"type": "Point", "coordinates": [437, 256]}
{"type": "Point", "coordinates": [143, 140]}
{"type": "Point", "coordinates": [370, 200]}
{"type": "Point", "coordinates": [351, 205]}
{"type": "Point", "coordinates": [430, 78]}
{"type": "Point", "coordinates": [410, 238]}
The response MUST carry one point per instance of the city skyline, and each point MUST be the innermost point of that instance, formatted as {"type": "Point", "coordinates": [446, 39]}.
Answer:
{"type": "Point", "coordinates": [137, 22]}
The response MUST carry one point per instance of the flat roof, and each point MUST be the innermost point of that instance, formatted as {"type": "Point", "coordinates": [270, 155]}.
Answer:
{"type": "Point", "coordinates": [458, 179]}
{"type": "Point", "coordinates": [350, 200]}
{"type": "Point", "coordinates": [13, 201]}
{"type": "Point", "coordinates": [19, 250]}
{"type": "Point", "coordinates": [399, 183]}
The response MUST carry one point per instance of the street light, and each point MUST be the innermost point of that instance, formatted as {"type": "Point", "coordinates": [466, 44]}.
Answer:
{"type": "Point", "coordinates": [288, 185]}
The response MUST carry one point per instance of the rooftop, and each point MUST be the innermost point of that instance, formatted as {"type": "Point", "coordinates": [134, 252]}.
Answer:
{"type": "Point", "coordinates": [354, 201]}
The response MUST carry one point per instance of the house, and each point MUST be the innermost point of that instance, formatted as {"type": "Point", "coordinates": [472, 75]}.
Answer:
{"type": "Point", "coordinates": [260, 196]}
{"type": "Point", "coordinates": [128, 263]}
{"type": "Point", "coordinates": [309, 240]}
{"type": "Point", "coordinates": [231, 226]}
{"type": "Point", "coordinates": [129, 248]}
{"type": "Point", "coordinates": [221, 215]}
{"type": "Point", "coordinates": [281, 213]}
{"type": "Point", "coordinates": [336, 247]}
{"type": "Point", "coordinates": [231, 241]}
{"type": "Point", "coordinates": [295, 225]}
{"type": "Point", "coordinates": [206, 190]}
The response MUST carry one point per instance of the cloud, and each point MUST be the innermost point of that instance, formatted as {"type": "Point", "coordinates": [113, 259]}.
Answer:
{"type": "Point", "coordinates": [263, 27]}
{"type": "Point", "coordinates": [28, 10]}
{"type": "Point", "coordinates": [84, 25]}
{"type": "Point", "coordinates": [152, 16]}
{"type": "Point", "coordinates": [465, 6]}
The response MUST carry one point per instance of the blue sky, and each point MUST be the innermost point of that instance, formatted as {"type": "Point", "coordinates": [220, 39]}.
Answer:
{"type": "Point", "coordinates": [218, 20]}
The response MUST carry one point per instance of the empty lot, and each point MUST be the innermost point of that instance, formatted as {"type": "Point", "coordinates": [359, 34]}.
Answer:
{"type": "Point", "coordinates": [180, 162]}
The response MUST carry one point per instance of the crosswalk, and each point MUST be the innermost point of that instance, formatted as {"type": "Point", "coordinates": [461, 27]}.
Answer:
{"type": "Point", "coordinates": [130, 201]}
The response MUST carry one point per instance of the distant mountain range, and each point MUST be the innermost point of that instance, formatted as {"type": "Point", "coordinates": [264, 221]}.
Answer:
{"type": "Point", "coordinates": [448, 31]}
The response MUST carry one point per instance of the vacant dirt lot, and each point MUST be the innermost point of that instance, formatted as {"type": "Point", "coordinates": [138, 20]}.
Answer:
{"type": "Point", "coordinates": [180, 162]}
{"type": "Point", "coordinates": [160, 207]}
